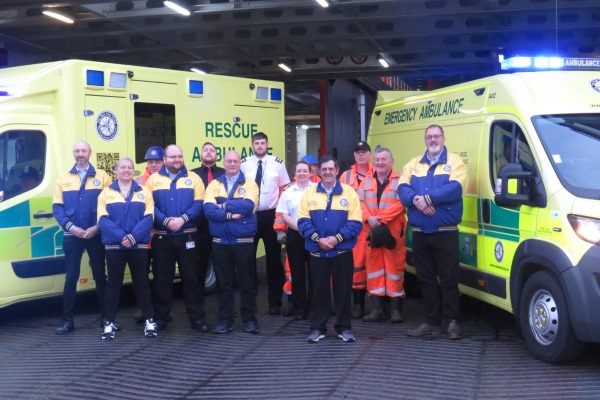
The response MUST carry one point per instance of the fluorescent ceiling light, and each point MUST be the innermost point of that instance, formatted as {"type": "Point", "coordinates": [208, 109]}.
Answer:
{"type": "Point", "coordinates": [284, 67]}
{"type": "Point", "coordinates": [304, 127]}
{"type": "Point", "coordinates": [323, 3]}
{"type": "Point", "coordinates": [58, 16]}
{"type": "Point", "coordinates": [176, 7]}
{"type": "Point", "coordinates": [382, 61]}
{"type": "Point", "coordinates": [197, 70]}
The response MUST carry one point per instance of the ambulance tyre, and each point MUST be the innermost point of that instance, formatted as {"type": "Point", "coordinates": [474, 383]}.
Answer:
{"type": "Point", "coordinates": [210, 283]}
{"type": "Point", "coordinates": [545, 321]}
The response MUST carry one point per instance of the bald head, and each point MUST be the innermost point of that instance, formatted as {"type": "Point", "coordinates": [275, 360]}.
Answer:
{"type": "Point", "coordinates": [82, 153]}
{"type": "Point", "coordinates": [232, 163]}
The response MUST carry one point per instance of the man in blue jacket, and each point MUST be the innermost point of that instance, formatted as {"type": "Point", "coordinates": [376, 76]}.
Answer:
{"type": "Point", "coordinates": [431, 188]}
{"type": "Point", "coordinates": [178, 196]}
{"type": "Point", "coordinates": [74, 207]}
{"type": "Point", "coordinates": [330, 220]}
{"type": "Point", "coordinates": [230, 207]}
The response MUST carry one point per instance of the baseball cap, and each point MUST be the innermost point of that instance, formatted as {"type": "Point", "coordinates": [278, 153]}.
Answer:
{"type": "Point", "coordinates": [362, 146]}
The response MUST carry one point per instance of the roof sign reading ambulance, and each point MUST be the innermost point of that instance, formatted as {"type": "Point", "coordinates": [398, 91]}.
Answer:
{"type": "Point", "coordinates": [545, 63]}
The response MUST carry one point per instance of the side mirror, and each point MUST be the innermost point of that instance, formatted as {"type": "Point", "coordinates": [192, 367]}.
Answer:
{"type": "Point", "coordinates": [512, 186]}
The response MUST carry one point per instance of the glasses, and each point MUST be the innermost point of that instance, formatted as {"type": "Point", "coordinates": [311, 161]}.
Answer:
{"type": "Point", "coordinates": [231, 161]}
{"type": "Point", "coordinates": [325, 169]}
{"type": "Point", "coordinates": [431, 137]}
{"type": "Point", "coordinates": [175, 157]}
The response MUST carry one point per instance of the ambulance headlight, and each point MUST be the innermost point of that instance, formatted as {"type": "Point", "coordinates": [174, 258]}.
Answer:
{"type": "Point", "coordinates": [587, 229]}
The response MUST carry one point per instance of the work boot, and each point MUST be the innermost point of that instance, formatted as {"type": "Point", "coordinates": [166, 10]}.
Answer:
{"type": "Point", "coordinates": [358, 309]}
{"type": "Point", "coordinates": [376, 314]}
{"type": "Point", "coordinates": [396, 306]}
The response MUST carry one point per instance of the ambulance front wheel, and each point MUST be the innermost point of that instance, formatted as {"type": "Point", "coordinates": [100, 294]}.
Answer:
{"type": "Point", "coordinates": [545, 321]}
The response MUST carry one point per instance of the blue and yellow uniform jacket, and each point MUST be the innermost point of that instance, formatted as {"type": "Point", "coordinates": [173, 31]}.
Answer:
{"type": "Point", "coordinates": [182, 197]}
{"type": "Point", "coordinates": [442, 185]}
{"type": "Point", "coordinates": [75, 203]}
{"type": "Point", "coordinates": [338, 215]}
{"type": "Point", "coordinates": [130, 217]}
{"type": "Point", "coordinates": [219, 206]}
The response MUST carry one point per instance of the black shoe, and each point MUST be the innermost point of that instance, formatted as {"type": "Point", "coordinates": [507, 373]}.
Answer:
{"type": "Point", "coordinates": [274, 310]}
{"type": "Point", "coordinates": [66, 326]}
{"type": "Point", "coordinates": [251, 327]}
{"type": "Point", "coordinates": [199, 325]}
{"type": "Point", "coordinates": [223, 326]}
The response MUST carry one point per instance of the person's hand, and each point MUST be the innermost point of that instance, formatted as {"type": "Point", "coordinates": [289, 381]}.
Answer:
{"type": "Point", "coordinates": [420, 203]}
{"type": "Point", "coordinates": [373, 221]}
{"type": "Point", "coordinates": [429, 211]}
{"type": "Point", "coordinates": [78, 232]}
{"type": "Point", "coordinates": [324, 244]}
{"type": "Point", "coordinates": [281, 237]}
{"type": "Point", "coordinates": [332, 241]}
{"type": "Point", "coordinates": [125, 242]}
{"type": "Point", "coordinates": [90, 232]}
{"type": "Point", "coordinates": [236, 216]}
{"type": "Point", "coordinates": [175, 224]}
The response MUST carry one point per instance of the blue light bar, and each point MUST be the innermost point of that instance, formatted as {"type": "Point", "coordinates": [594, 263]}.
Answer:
{"type": "Point", "coordinates": [276, 94]}
{"type": "Point", "coordinates": [545, 63]}
{"type": "Point", "coordinates": [196, 87]}
{"type": "Point", "coordinates": [94, 78]}
{"type": "Point", "coordinates": [262, 93]}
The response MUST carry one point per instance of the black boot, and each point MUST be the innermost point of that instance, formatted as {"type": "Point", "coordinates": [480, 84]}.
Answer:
{"type": "Point", "coordinates": [376, 314]}
{"type": "Point", "coordinates": [358, 309]}
{"type": "Point", "coordinates": [396, 306]}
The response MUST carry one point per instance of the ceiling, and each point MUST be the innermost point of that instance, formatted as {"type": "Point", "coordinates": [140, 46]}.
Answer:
{"type": "Point", "coordinates": [428, 43]}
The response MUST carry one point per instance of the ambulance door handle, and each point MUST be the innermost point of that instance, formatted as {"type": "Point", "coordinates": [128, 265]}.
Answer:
{"type": "Point", "coordinates": [486, 211]}
{"type": "Point", "coordinates": [43, 215]}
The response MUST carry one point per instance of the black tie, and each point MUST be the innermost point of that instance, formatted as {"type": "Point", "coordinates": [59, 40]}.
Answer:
{"type": "Point", "coordinates": [259, 173]}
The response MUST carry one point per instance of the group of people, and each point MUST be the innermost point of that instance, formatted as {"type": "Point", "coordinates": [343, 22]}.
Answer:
{"type": "Point", "coordinates": [343, 236]}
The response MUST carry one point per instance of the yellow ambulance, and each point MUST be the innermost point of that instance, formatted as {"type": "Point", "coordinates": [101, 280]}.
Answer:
{"type": "Point", "coordinates": [530, 232]}
{"type": "Point", "coordinates": [121, 111]}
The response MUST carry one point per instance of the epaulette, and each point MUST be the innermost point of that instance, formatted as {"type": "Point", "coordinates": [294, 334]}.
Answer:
{"type": "Point", "coordinates": [279, 160]}
{"type": "Point", "coordinates": [244, 160]}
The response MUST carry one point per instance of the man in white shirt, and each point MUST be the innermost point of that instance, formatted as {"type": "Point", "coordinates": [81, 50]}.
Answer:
{"type": "Point", "coordinates": [270, 175]}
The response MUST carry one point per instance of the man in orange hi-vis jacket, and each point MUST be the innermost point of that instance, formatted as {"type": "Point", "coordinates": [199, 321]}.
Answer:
{"type": "Point", "coordinates": [353, 177]}
{"type": "Point", "coordinates": [382, 211]}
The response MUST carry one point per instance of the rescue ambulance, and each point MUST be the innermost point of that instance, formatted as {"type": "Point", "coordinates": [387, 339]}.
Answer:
{"type": "Point", "coordinates": [121, 111]}
{"type": "Point", "coordinates": [530, 232]}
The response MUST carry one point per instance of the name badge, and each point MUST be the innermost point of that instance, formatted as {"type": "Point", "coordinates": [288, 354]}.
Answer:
{"type": "Point", "coordinates": [190, 244]}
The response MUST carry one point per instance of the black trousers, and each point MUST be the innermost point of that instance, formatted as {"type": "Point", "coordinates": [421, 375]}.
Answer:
{"type": "Point", "coordinates": [205, 246]}
{"type": "Point", "coordinates": [299, 260]}
{"type": "Point", "coordinates": [116, 260]}
{"type": "Point", "coordinates": [166, 251]}
{"type": "Point", "coordinates": [326, 273]}
{"type": "Point", "coordinates": [275, 272]}
{"type": "Point", "coordinates": [74, 248]}
{"type": "Point", "coordinates": [436, 255]}
{"type": "Point", "coordinates": [231, 261]}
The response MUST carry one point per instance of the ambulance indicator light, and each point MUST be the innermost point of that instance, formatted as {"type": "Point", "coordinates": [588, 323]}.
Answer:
{"type": "Point", "coordinates": [275, 94]}
{"type": "Point", "coordinates": [118, 80]}
{"type": "Point", "coordinates": [196, 87]}
{"type": "Point", "coordinates": [94, 78]}
{"type": "Point", "coordinates": [262, 93]}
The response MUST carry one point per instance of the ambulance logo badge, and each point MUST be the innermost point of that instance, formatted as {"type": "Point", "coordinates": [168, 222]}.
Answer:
{"type": "Point", "coordinates": [96, 182]}
{"type": "Point", "coordinates": [595, 85]}
{"type": "Point", "coordinates": [140, 196]}
{"type": "Point", "coordinates": [107, 125]}
{"type": "Point", "coordinates": [343, 202]}
{"type": "Point", "coordinates": [188, 182]}
{"type": "Point", "coordinates": [447, 168]}
{"type": "Point", "coordinates": [241, 191]}
{"type": "Point", "coordinates": [499, 251]}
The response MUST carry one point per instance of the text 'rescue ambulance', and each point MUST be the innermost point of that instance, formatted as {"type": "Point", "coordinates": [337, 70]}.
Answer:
{"type": "Point", "coordinates": [121, 111]}
{"type": "Point", "coordinates": [530, 232]}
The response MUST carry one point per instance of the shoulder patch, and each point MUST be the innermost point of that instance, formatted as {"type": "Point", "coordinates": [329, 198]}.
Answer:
{"type": "Point", "coordinates": [279, 160]}
{"type": "Point", "coordinates": [244, 159]}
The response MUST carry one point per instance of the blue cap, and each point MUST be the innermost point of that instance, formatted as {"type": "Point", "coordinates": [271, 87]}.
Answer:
{"type": "Point", "coordinates": [310, 159]}
{"type": "Point", "coordinates": [154, 153]}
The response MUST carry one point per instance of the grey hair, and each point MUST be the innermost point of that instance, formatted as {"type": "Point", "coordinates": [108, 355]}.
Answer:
{"type": "Point", "coordinates": [120, 160]}
{"type": "Point", "coordinates": [384, 150]}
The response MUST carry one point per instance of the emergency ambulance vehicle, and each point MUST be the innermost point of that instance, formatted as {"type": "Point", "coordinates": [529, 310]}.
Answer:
{"type": "Point", "coordinates": [530, 232]}
{"type": "Point", "coordinates": [121, 111]}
